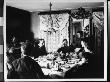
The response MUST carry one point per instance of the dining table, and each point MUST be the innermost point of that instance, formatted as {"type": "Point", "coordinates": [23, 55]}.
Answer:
{"type": "Point", "coordinates": [55, 65]}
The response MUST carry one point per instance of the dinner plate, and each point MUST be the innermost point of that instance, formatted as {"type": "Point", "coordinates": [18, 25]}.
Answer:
{"type": "Point", "coordinates": [70, 62]}
{"type": "Point", "coordinates": [67, 66]}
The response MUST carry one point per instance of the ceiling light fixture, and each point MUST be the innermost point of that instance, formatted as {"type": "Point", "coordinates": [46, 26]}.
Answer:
{"type": "Point", "coordinates": [51, 28]}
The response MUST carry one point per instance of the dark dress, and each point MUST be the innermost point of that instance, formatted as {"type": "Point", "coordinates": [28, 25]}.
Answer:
{"type": "Point", "coordinates": [16, 53]}
{"type": "Point", "coordinates": [39, 51]}
{"type": "Point", "coordinates": [42, 50]}
{"type": "Point", "coordinates": [16, 50]}
{"type": "Point", "coordinates": [25, 68]}
{"type": "Point", "coordinates": [86, 70]}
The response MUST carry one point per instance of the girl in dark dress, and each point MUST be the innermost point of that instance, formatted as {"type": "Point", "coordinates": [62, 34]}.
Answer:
{"type": "Point", "coordinates": [25, 67]}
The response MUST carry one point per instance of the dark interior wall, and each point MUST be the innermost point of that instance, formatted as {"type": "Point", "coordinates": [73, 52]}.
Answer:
{"type": "Point", "coordinates": [1, 8]}
{"type": "Point", "coordinates": [18, 23]}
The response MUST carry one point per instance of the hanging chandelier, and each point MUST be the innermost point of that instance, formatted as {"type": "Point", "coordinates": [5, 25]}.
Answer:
{"type": "Point", "coordinates": [81, 13]}
{"type": "Point", "coordinates": [51, 21]}
{"type": "Point", "coordinates": [51, 28]}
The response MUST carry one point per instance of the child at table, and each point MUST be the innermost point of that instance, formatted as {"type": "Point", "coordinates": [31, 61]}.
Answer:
{"type": "Point", "coordinates": [25, 67]}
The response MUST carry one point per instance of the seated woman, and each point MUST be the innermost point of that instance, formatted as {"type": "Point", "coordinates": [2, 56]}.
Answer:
{"type": "Point", "coordinates": [39, 49]}
{"type": "Point", "coordinates": [42, 47]}
{"type": "Point", "coordinates": [9, 56]}
{"type": "Point", "coordinates": [25, 67]}
{"type": "Point", "coordinates": [16, 51]}
{"type": "Point", "coordinates": [84, 69]}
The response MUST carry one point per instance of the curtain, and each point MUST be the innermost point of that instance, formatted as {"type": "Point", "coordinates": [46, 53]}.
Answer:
{"type": "Point", "coordinates": [60, 25]}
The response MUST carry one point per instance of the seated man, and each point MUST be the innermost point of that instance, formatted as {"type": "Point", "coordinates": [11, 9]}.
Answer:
{"type": "Point", "coordinates": [72, 46]}
{"type": "Point", "coordinates": [25, 67]}
{"type": "Point", "coordinates": [65, 48]}
{"type": "Point", "coordinates": [78, 39]}
{"type": "Point", "coordinates": [80, 43]}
